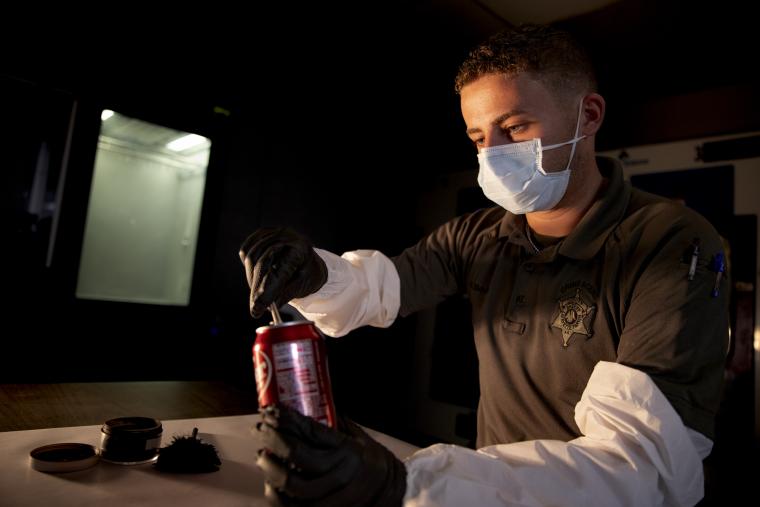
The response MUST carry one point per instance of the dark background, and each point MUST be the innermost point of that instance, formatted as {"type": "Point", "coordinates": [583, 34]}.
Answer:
{"type": "Point", "coordinates": [328, 119]}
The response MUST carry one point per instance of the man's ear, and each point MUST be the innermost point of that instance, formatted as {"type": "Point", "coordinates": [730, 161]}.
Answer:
{"type": "Point", "coordinates": [592, 114]}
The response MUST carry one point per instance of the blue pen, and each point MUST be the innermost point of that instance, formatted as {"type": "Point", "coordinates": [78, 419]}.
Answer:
{"type": "Point", "coordinates": [719, 266]}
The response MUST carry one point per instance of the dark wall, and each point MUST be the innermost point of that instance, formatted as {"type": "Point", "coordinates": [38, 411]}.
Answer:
{"type": "Point", "coordinates": [322, 124]}
{"type": "Point", "coordinates": [672, 70]}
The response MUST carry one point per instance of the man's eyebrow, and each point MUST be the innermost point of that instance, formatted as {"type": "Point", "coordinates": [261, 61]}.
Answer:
{"type": "Point", "coordinates": [499, 119]}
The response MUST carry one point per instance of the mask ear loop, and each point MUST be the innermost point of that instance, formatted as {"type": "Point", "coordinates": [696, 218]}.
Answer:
{"type": "Point", "coordinates": [574, 140]}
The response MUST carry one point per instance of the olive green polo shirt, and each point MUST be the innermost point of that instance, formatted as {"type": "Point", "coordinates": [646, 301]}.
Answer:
{"type": "Point", "coordinates": [615, 289]}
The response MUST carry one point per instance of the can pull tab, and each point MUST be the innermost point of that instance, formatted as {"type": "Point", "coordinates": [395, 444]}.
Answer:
{"type": "Point", "coordinates": [276, 319]}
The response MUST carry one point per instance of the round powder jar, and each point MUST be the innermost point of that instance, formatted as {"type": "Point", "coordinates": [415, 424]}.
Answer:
{"type": "Point", "coordinates": [130, 440]}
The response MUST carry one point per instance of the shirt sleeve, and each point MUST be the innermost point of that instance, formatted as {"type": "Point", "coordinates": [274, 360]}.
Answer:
{"type": "Point", "coordinates": [429, 270]}
{"type": "Point", "coordinates": [676, 329]}
{"type": "Point", "coordinates": [635, 450]}
{"type": "Point", "coordinates": [437, 266]}
{"type": "Point", "coordinates": [362, 289]}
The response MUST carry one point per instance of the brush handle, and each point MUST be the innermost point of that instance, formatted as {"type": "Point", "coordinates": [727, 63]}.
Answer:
{"type": "Point", "coordinates": [276, 319]}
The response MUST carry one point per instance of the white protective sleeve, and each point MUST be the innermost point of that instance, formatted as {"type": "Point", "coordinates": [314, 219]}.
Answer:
{"type": "Point", "coordinates": [635, 450]}
{"type": "Point", "coordinates": [362, 289]}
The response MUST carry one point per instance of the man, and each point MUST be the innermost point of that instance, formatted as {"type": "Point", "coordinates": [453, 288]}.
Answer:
{"type": "Point", "coordinates": [600, 344]}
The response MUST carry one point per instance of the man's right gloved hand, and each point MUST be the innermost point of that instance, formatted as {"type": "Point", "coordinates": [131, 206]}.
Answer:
{"type": "Point", "coordinates": [307, 463]}
{"type": "Point", "coordinates": [280, 264]}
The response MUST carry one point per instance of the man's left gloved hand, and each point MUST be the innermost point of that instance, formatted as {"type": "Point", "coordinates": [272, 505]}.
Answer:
{"type": "Point", "coordinates": [308, 463]}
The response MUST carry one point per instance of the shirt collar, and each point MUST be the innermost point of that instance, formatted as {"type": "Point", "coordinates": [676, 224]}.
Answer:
{"type": "Point", "coordinates": [596, 225]}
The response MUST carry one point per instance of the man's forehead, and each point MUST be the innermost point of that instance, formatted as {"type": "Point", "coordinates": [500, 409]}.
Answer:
{"type": "Point", "coordinates": [500, 95]}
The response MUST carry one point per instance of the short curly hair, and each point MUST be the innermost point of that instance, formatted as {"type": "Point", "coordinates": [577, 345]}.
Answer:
{"type": "Point", "coordinates": [551, 55]}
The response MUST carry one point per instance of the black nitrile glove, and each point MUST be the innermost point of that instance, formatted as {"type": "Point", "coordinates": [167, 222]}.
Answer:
{"type": "Point", "coordinates": [308, 463]}
{"type": "Point", "coordinates": [280, 264]}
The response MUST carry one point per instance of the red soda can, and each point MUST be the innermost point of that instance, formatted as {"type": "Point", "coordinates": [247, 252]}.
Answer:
{"type": "Point", "coordinates": [290, 365]}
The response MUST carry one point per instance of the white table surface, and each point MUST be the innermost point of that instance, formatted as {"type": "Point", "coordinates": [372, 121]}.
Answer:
{"type": "Point", "coordinates": [238, 481]}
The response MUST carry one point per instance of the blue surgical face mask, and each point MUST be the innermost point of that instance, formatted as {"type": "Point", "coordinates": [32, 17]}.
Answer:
{"type": "Point", "coordinates": [512, 175]}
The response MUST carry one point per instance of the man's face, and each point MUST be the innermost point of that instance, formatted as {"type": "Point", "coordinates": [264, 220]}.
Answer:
{"type": "Point", "coordinates": [499, 109]}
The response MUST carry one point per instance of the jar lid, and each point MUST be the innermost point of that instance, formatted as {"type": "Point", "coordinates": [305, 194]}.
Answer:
{"type": "Point", "coordinates": [132, 426]}
{"type": "Point", "coordinates": [63, 457]}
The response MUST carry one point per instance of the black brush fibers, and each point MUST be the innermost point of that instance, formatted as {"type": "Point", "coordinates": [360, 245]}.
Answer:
{"type": "Point", "coordinates": [188, 455]}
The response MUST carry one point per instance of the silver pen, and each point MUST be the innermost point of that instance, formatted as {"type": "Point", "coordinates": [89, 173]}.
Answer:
{"type": "Point", "coordinates": [694, 259]}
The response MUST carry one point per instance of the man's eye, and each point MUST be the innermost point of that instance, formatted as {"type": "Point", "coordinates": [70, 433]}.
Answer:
{"type": "Point", "coordinates": [516, 129]}
{"type": "Point", "coordinates": [478, 142]}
